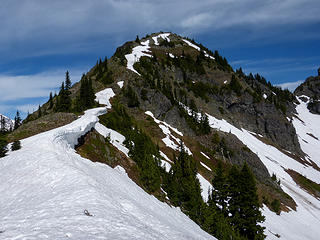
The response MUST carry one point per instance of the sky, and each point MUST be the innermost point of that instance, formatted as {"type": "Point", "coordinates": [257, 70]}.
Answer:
{"type": "Point", "coordinates": [40, 39]}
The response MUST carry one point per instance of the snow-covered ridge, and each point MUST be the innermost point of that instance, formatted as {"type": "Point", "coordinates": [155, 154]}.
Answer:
{"type": "Point", "coordinates": [300, 224]}
{"type": "Point", "coordinates": [46, 189]}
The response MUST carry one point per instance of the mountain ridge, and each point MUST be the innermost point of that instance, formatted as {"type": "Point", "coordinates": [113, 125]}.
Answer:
{"type": "Point", "coordinates": [178, 82]}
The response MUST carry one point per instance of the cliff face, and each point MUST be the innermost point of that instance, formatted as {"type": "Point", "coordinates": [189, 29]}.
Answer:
{"type": "Point", "coordinates": [311, 88]}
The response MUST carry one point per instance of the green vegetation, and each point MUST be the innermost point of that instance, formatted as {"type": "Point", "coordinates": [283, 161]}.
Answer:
{"type": "Point", "coordinates": [3, 144]}
{"type": "Point", "coordinates": [86, 97]}
{"type": "Point", "coordinates": [199, 123]}
{"type": "Point", "coordinates": [234, 198]}
{"type": "Point", "coordinates": [307, 184]}
{"type": "Point", "coordinates": [141, 148]}
{"type": "Point", "coordinates": [275, 206]}
{"type": "Point", "coordinates": [63, 100]}
{"type": "Point", "coordinates": [183, 187]}
{"type": "Point", "coordinates": [16, 145]}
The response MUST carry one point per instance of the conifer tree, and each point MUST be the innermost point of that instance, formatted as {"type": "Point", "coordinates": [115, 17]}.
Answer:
{"type": "Point", "coordinates": [3, 147]}
{"type": "Point", "coordinates": [219, 194]}
{"type": "Point", "coordinates": [184, 187]}
{"type": "Point", "coordinates": [137, 39]}
{"type": "Point", "coordinates": [39, 112]}
{"type": "Point", "coordinates": [17, 120]}
{"type": "Point", "coordinates": [244, 204]}
{"type": "Point", "coordinates": [16, 145]}
{"type": "Point", "coordinates": [67, 82]}
{"type": "Point", "coordinates": [50, 101]}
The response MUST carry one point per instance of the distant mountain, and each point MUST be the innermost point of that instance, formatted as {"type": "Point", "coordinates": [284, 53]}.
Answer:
{"type": "Point", "coordinates": [178, 120]}
{"type": "Point", "coordinates": [6, 123]}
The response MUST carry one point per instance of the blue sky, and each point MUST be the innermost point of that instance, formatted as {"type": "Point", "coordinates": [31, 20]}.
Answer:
{"type": "Point", "coordinates": [41, 39]}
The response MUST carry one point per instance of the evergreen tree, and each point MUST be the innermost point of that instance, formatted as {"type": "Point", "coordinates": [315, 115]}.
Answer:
{"type": "Point", "coordinates": [183, 187]}
{"type": "Point", "coordinates": [137, 39]}
{"type": "Point", "coordinates": [219, 195]}
{"type": "Point", "coordinates": [244, 204]}
{"type": "Point", "coordinates": [3, 147]}
{"type": "Point", "coordinates": [50, 101]}
{"type": "Point", "coordinates": [39, 112]}
{"type": "Point", "coordinates": [16, 145]}
{"type": "Point", "coordinates": [86, 98]}
{"type": "Point", "coordinates": [67, 82]}
{"type": "Point", "coordinates": [17, 120]}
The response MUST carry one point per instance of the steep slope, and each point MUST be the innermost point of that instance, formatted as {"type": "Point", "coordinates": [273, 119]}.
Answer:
{"type": "Point", "coordinates": [49, 188]}
{"type": "Point", "coordinates": [6, 123]}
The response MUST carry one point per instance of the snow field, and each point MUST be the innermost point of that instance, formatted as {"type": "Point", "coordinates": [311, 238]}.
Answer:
{"type": "Point", "coordinates": [308, 132]}
{"type": "Point", "coordinates": [46, 187]}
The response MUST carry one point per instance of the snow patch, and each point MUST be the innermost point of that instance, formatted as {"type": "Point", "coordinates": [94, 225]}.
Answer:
{"type": "Point", "coordinates": [264, 96]}
{"type": "Point", "coordinates": [197, 48]}
{"type": "Point", "coordinates": [205, 155]}
{"type": "Point", "coordinates": [103, 97]}
{"type": "Point", "coordinates": [137, 53]}
{"type": "Point", "coordinates": [205, 187]}
{"type": "Point", "coordinates": [166, 165]}
{"type": "Point", "coordinates": [205, 166]}
{"type": "Point", "coordinates": [120, 84]}
{"type": "Point", "coordinates": [116, 139]}
{"type": "Point", "coordinates": [164, 36]}
{"type": "Point", "coordinates": [166, 129]}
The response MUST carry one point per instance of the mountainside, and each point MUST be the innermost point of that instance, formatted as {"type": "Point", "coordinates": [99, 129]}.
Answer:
{"type": "Point", "coordinates": [6, 123]}
{"type": "Point", "coordinates": [180, 123]}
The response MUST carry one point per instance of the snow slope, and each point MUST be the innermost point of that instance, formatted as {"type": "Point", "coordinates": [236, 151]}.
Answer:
{"type": "Point", "coordinates": [46, 187]}
{"type": "Point", "coordinates": [305, 221]}
{"type": "Point", "coordinates": [307, 126]}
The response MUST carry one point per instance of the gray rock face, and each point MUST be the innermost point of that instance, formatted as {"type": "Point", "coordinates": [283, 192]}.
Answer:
{"type": "Point", "coordinates": [311, 88]}
{"type": "Point", "coordinates": [5, 123]}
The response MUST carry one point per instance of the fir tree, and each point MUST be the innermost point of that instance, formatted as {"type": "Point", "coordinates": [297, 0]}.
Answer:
{"type": "Point", "coordinates": [50, 101]}
{"type": "Point", "coordinates": [67, 82]}
{"type": "Point", "coordinates": [183, 186]}
{"type": "Point", "coordinates": [17, 120]}
{"type": "Point", "coordinates": [137, 39]}
{"type": "Point", "coordinates": [219, 194]}
{"type": "Point", "coordinates": [16, 145]}
{"type": "Point", "coordinates": [3, 147]}
{"type": "Point", "coordinates": [86, 98]}
{"type": "Point", "coordinates": [244, 204]}
{"type": "Point", "coordinates": [39, 112]}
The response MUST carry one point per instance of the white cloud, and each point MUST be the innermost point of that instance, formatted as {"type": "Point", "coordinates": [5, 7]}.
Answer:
{"type": "Point", "coordinates": [291, 86]}
{"type": "Point", "coordinates": [32, 86]}
{"type": "Point", "coordinates": [67, 26]}
{"type": "Point", "coordinates": [27, 108]}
